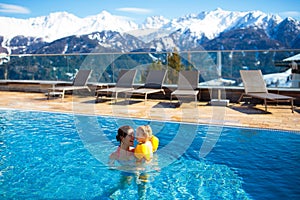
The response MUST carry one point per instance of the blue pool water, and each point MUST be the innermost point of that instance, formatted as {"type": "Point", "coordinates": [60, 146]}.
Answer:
{"type": "Point", "coordinates": [61, 156]}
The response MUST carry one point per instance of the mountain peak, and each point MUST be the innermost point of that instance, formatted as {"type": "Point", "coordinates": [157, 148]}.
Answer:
{"type": "Point", "coordinates": [60, 14]}
{"type": "Point", "coordinates": [290, 19]}
{"type": "Point", "coordinates": [154, 22]}
{"type": "Point", "coordinates": [105, 12]}
{"type": "Point", "coordinates": [205, 24]}
{"type": "Point", "coordinates": [104, 15]}
{"type": "Point", "coordinates": [219, 9]}
{"type": "Point", "coordinates": [55, 16]}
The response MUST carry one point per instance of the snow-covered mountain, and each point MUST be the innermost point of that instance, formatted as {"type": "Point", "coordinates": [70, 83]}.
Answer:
{"type": "Point", "coordinates": [217, 29]}
{"type": "Point", "coordinates": [211, 24]}
{"type": "Point", "coordinates": [63, 24]}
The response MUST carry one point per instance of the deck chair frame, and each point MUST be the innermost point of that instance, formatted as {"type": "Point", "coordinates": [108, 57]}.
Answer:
{"type": "Point", "coordinates": [153, 84]}
{"type": "Point", "coordinates": [124, 83]}
{"type": "Point", "coordinates": [187, 85]}
{"type": "Point", "coordinates": [79, 83]}
{"type": "Point", "coordinates": [255, 87]}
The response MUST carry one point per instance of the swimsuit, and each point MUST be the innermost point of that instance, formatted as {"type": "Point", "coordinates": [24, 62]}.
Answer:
{"type": "Point", "coordinates": [125, 161]}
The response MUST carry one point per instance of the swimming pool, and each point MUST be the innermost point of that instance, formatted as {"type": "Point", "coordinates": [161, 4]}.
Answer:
{"type": "Point", "coordinates": [46, 156]}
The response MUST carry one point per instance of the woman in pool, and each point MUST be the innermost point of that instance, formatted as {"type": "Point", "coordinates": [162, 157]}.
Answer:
{"type": "Point", "coordinates": [125, 152]}
{"type": "Point", "coordinates": [124, 155]}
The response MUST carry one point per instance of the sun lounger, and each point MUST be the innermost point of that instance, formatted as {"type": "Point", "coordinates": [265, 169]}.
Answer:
{"type": "Point", "coordinates": [255, 87]}
{"type": "Point", "coordinates": [187, 85]}
{"type": "Point", "coordinates": [123, 84]}
{"type": "Point", "coordinates": [153, 84]}
{"type": "Point", "coordinates": [79, 83]}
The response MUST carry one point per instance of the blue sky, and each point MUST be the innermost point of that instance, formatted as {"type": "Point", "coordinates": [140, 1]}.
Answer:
{"type": "Point", "coordinates": [138, 10]}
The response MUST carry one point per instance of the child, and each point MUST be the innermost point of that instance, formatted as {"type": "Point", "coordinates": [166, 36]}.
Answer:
{"type": "Point", "coordinates": [144, 150]}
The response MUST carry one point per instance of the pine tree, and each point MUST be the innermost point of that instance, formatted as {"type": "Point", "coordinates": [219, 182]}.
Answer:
{"type": "Point", "coordinates": [174, 62]}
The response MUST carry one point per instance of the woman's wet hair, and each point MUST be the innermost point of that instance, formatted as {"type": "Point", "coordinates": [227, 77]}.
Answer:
{"type": "Point", "coordinates": [123, 132]}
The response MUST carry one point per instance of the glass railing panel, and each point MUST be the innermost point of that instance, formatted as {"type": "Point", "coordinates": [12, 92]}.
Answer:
{"type": "Point", "coordinates": [216, 67]}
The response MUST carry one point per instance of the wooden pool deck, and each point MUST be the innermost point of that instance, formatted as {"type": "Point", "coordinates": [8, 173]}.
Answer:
{"type": "Point", "coordinates": [278, 116]}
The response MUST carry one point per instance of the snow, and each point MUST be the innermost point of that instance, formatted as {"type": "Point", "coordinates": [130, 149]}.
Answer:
{"type": "Point", "coordinates": [62, 24]}
{"type": "Point", "coordinates": [293, 58]}
{"type": "Point", "coordinates": [282, 79]}
{"type": "Point", "coordinates": [219, 82]}
{"type": "Point", "coordinates": [4, 58]}
{"type": "Point", "coordinates": [279, 79]}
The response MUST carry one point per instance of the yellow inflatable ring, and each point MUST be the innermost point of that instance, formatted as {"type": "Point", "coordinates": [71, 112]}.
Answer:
{"type": "Point", "coordinates": [155, 143]}
{"type": "Point", "coordinates": [142, 151]}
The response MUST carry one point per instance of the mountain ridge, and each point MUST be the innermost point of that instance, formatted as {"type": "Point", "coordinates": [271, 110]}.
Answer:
{"type": "Point", "coordinates": [62, 24]}
{"type": "Point", "coordinates": [111, 33]}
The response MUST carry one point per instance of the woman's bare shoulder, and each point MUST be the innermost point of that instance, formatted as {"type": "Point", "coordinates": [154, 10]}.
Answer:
{"type": "Point", "coordinates": [114, 155]}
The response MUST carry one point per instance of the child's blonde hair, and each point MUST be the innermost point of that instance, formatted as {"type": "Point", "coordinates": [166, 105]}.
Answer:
{"type": "Point", "coordinates": [146, 131]}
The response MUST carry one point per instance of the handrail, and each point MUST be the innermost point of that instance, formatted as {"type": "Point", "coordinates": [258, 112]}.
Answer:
{"type": "Point", "coordinates": [141, 52]}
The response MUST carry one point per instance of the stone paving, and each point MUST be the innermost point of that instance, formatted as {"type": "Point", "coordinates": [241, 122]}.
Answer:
{"type": "Point", "coordinates": [277, 117]}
